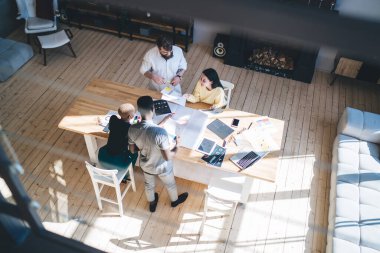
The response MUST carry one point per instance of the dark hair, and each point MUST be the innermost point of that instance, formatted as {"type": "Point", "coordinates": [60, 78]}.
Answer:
{"type": "Point", "coordinates": [145, 104]}
{"type": "Point", "coordinates": [211, 74]}
{"type": "Point", "coordinates": [165, 43]}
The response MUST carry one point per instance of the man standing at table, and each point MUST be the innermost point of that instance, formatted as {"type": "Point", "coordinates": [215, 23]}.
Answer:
{"type": "Point", "coordinates": [164, 65]}
{"type": "Point", "coordinates": [156, 153]}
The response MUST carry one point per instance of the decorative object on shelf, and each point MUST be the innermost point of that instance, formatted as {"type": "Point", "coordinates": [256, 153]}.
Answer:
{"type": "Point", "coordinates": [356, 69]}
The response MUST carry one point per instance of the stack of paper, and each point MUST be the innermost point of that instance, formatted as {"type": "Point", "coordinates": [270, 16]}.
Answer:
{"type": "Point", "coordinates": [264, 124]}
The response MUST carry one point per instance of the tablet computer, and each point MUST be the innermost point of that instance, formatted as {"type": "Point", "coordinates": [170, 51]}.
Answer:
{"type": "Point", "coordinates": [206, 146]}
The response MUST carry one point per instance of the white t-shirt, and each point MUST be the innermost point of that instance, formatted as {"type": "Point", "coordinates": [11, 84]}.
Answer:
{"type": "Point", "coordinates": [153, 61]}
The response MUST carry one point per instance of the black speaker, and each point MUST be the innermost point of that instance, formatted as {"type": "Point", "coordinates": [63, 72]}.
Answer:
{"type": "Point", "coordinates": [220, 46]}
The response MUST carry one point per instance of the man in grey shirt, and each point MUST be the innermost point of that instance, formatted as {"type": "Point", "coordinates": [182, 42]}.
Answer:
{"type": "Point", "coordinates": [155, 154]}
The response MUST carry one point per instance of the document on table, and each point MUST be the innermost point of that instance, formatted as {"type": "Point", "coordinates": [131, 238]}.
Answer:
{"type": "Point", "coordinates": [259, 141]}
{"type": "Point", "coordinates": [104, 122]}
{"type": "Point", "coordinates": [187, 123]}
{"type": "Point", "coordinates": [174, 99]}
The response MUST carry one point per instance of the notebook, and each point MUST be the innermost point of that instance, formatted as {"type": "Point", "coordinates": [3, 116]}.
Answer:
{"type": "Point", "coordinates": [220, 129]}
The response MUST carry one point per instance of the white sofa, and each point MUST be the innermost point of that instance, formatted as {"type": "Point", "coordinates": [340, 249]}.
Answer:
{"type": "Point", "coordinates": [354, 213]}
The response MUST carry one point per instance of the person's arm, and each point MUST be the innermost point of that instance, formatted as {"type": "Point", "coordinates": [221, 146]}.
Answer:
{"type": "Point", "coordinates": [168, 154]}
{"type": "Point", "coordinates": [178, 78]}
{"type": "Point", "coordinates": [196, 96]}
{"type": "Point", "coordinates": [182, 66]}
{"type": "Point", "coordinates": [156, 78]}
{"type": "Point", "coordinates": [132, 146]}
{"type": "Point", "coordinates": [147, 70]}
{"type": "Point", "coordinates": [162, 122]}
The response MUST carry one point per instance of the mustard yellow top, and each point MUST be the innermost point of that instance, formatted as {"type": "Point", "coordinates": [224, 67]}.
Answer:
{"type": "Point", "coordinates": [213, 97]}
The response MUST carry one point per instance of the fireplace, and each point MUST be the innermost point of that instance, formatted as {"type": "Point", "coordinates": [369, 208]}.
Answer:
{"type": "Point", "coordinates": [277, 59]}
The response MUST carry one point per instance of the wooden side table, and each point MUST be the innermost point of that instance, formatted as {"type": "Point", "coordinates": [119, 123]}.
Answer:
{"type": "Point", "coordinates": [346, 67]}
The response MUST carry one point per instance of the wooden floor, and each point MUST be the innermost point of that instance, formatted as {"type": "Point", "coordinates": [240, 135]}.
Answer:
{"type": "Point", "coordinates": [289, 216]}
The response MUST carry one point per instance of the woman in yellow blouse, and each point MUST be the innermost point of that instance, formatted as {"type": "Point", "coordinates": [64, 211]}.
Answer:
{"type": "Point", "coordinates": [208, 90]}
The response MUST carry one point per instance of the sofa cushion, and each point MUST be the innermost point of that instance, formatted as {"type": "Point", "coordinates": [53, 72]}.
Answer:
{"type": "Point", "coordinates": [12, 56]}
{"type": "Point", "coordinates": [361, 125]}
{"type": "Point", "coordinates": [355, 185]}
{"type": "Point", "coordinates": [345, 246]}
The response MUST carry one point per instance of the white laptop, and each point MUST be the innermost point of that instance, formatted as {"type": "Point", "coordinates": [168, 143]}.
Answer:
{"type": "Point", "coordinates": [246, 158]}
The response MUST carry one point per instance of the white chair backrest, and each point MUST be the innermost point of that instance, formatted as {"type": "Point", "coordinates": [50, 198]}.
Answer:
{"type": "Point", "coordinates": [103, 176]}
{"type": "Point", "coordinates": [227, 86]}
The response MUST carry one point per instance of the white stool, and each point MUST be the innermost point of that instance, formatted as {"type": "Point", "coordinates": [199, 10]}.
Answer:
{"type": "Point", "coordinates": [55, 40]}
{"type": "Point", "coordinates": [223, 195]}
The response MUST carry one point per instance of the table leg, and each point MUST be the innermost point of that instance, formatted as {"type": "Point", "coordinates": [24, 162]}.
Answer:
{"type": "Point", "coordinates": [92, 147]}
{"type": "Point", "coordinates": [247, 186]}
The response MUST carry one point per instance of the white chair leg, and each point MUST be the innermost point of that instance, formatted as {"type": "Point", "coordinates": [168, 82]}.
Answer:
{"type": "Point", "coordinates": [119, 201]}
{"type": "Point", "coordinates": [228, 99]}
{"type": "Point", "coordinates": [231, 216]}
{"type": "Point", "coordinates": [204, 214]}
{"type": "Point", "coordinates": [132, 177]}
{"type": "Point", "coordinates": [97, 194]}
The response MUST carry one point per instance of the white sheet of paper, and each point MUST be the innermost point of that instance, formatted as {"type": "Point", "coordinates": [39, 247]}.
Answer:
{"type": "Point", "coordinates": [257, 140]}
{"type": "Point", "coordinates": [174, 99]}
{"type": "Point", "coordinates": [189, 124]}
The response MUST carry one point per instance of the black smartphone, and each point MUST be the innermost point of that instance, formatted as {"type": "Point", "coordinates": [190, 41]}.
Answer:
{"type": "Point", "coordinates": [235, 122]}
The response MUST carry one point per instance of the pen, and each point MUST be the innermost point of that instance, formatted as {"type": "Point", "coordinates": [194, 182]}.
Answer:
{"type": "Point", "coordinates": [250, 125]}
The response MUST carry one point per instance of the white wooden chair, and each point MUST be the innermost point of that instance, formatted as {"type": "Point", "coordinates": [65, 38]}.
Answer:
{"type": "Point", "coordinates": [227, 86]}
{"type": "Point", "coordinates": [110, 178]}
{"type": "Point", "coordinates": [222, 195]}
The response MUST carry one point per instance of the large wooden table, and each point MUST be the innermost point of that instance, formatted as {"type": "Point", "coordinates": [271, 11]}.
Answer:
{"type": "Point", "coordinates": [100, 96]}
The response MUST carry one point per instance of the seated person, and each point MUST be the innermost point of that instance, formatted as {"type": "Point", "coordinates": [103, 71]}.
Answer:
{"type": "Point", "coordinates": [208, 90]}
{"type": "Point", "coordinates": [115, 154]}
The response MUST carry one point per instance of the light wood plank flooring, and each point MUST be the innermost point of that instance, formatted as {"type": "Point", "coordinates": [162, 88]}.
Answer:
{"type": "Point", "coordinates": [289, 216]}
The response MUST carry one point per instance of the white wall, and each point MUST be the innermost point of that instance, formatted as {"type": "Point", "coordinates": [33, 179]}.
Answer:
{"type": "Point", "coordinates": [205, 31]}
{"type": "Point", "coordinates": [363, 9]}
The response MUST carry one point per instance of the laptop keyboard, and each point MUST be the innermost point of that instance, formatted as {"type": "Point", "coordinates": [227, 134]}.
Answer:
{"type": "Point", "coordinates": [248, 159]}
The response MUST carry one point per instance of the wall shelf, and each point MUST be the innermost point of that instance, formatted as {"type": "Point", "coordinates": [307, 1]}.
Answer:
{"type": "Point", "coordinates": [136, 24]}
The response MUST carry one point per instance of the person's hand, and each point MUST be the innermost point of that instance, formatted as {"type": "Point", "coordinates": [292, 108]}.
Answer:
{"type": "Point", "coordinates": [175, 81]}
{"type": "Point", "coordinates": [175, 143]}
{"type": "Point", "coordinates": [178, 140]}
{"type": "Point", "coordinates": [158, 79]}
{"type": "Point", "coordinates": [168, 117]}
{"type": "Point", "coordinates": [212, 107]}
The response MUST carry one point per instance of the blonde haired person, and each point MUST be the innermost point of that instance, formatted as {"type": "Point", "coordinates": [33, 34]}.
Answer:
{"type": "Point", "coordinates": [208, 90]}
{"type": "Point", "coordinates": [115, 154]}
